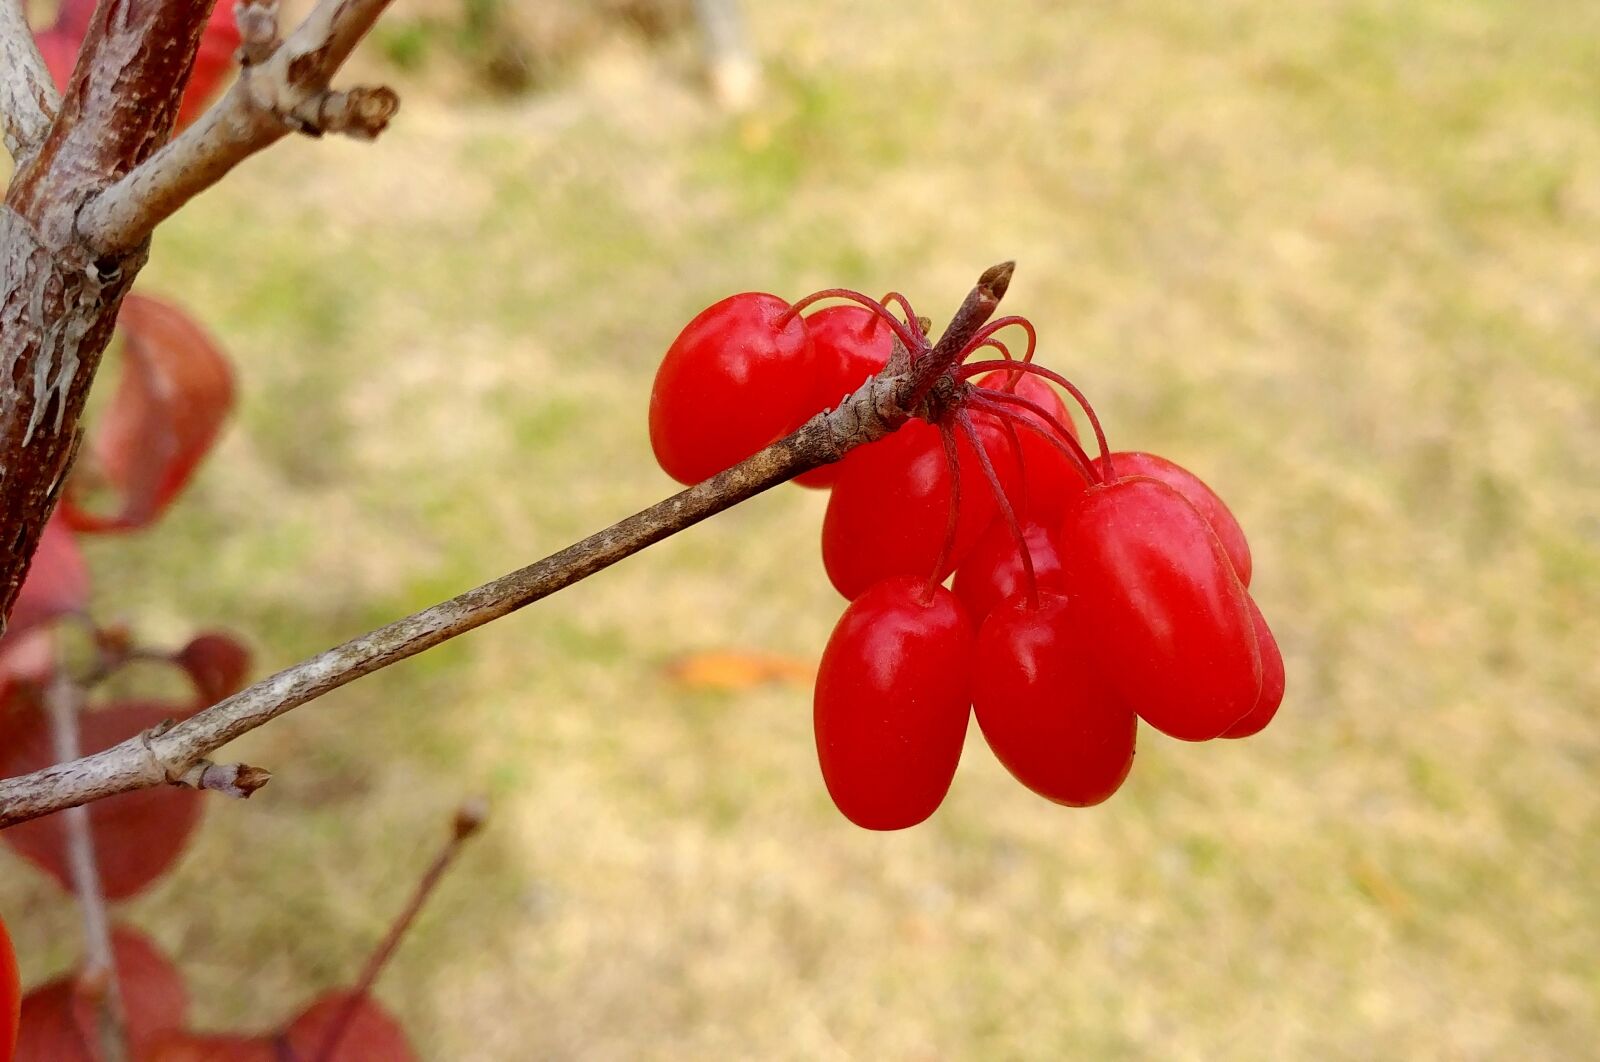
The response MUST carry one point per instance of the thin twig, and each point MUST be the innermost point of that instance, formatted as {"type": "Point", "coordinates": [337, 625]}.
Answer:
{"type": "Point", "coordinates": [63, 699]}
{"type": "Point", "coordinates": [28, 97]}
{"type": "Point", "coordinates": [468, 820]}
{"type": "Point", "coordinates": [283, 89]}
{"type": "Point", "coordinates": [880, 406]}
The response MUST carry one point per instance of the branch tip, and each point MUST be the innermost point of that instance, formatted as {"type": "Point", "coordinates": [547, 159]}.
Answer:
{"type": "Point", "coordinates": [237, 780]}
{"type": "Point", "coordinates": [996, 279]}
{"type": "Point", "coordinates": [470, 817]}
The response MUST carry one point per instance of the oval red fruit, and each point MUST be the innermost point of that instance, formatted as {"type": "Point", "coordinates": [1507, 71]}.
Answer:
{"type": "Point", "coordinates": [849, 344]}
{"type": "Point", "coordinates": [1043, 707]}
{"type": "Point", "coordinates": [892, 702]}
{"type": "Point", "coordinates": [1049, 477]}
{"type": "Point", "coordinates": [890, 509]}
{"type": "Point", "coordinates": [993, 570]}
{"type": "Point", "coordinates": [1194, 490]}
{"type": "Point", "coordinates": [734, 380]}
{"type": "Point", "coordinates": [1272, 680]}
{"type": "Point", "coordinates": [1166, 616]}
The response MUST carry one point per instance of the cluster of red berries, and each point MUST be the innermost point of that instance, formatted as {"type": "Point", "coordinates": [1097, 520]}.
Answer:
{"type": "Point", "coordinates": [1088, 593]}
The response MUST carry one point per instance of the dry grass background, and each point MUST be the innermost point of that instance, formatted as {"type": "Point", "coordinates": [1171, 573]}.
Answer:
{"type": "Point", "coordinates": [1341, 258]}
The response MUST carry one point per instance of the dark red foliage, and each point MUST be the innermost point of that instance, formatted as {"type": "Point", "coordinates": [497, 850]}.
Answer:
{"type": "Point", "coordinates": [217, 663]}
{"type": "Point", "coordinates": [137, 835]}
{"type": "Point", "coordinates": [58, 1019]}
{"type": "Point", "coordinates": [174, 393]}
{"type": "Point", "coordinates": [177, 1045]}
{"type": "Point", "coordinates": [369, 1033]}
{"type": "Point", "coordinates": [57, 582]}
{"type": "Point", "coordinates": [366, 1033]}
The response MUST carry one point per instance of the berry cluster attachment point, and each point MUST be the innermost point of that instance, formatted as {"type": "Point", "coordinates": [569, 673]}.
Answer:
{"type": "Point", "coordinates": [1088, 593]}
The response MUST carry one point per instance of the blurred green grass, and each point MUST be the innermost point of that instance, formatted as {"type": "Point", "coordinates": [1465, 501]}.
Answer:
{"type": "Point", "coordinates": [1339, 258]}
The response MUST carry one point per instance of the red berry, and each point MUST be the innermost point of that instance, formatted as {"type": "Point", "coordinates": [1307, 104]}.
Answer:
{"type": "Point", "coordinates": [1272, 680]}
{"type": "Point", "coordinates": [993, 570]}
{"type": "Point", "coordinates": [892, 703]}
{"type": "Point", "coordinates": [735, 379]}
{"type": "Point", "coordinates": [1049, 476]}
{"type": "Point", "coordinates": [1167, 618]}
{"type": "Point", "coordinates": [10, 994]}
{"type": "Point", "coordinates": [1194, 490]}
{"type": "Point", "coordinates": [1043, 706]}
{"type": "Point", "coordinates": [890, 510]}
{"type": "Point", "coordinates": [849, 344]}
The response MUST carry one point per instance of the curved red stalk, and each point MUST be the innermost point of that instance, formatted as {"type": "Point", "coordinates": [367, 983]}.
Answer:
{"type": "Point", "coordinates": [1056, 378]}
{"type": "Point", "coordinates": [1015, 445]}
{"type": "Point", "coordinates": [1005, 505]}
{"type": "Point", "coordinates": [999, 403]}
{"type": "Point", "coordinates": [905, 307]}
{"type": "Point", "coordinates": [913, 344]}
{"type": "Point", "coordinates": [987, 332]}
{"type": "Point", "coordinates": [1004, 350]}
{"type": "Point", "coordinates": [948, 437]}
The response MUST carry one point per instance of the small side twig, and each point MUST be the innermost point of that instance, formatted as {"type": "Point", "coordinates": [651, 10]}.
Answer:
{"type": "Point", "coordinates": [28, 97]}
{"type": "Point", "coordinates": [468, 820]}
{"type": "Point", "coordinates": [258, 30]}
{"type": "Point", "coordinates": [63, 700]}
{"type": "Point", "coordinates": [282, 88]}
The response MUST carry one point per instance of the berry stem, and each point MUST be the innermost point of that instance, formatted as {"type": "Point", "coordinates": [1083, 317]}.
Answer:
{"type": "Point", "coordinates": [1004, 502]}
{"type": "Point", "coordinates": [953, 463]}
{"type": "Point", "coordinates": [1014, 444]}
{"type": "Point", "coordinates": [1005, 352]}
{"type": "Point", "coordinates": [468, 818]}
{"type": "Point", "coordinates": [912, 319]}
{"type": "Point", "coordinates": [907, 336]}
{"type": "Point", "coordinates": [1000, 324]}
{"type": "Point", "coordinates": [1005, 404]}
{"type": "Point", "coordinates": [1061, 381]}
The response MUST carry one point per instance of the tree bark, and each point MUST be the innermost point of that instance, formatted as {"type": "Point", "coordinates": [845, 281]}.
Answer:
{"type": "Point", "coordinates": [58, 301]}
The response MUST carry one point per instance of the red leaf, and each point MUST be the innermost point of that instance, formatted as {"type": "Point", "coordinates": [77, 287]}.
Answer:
{"type": "Point", "coordinates": [58, 1021]}
{"type": "Point", "coordinates": [26, 657]}
{"type": "Point", "coordinates": [176, 389]}
{"type": "Point", "coordinates": [57, 582]}
{"type": "Point", "coordinates": [138, 835]}
{"type": "Point", "coordinates": [179, 1046]}
{"type": "Point", "coordinates": [217, 663]}
{"type": "Point", "coordinates": [212, 63]}
{"type": "Point", "coordinates": [371, 1034]}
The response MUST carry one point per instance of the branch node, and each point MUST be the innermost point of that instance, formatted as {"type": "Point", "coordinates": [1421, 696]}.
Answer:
{"type": "Point", "coordinates": [362, 112]}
